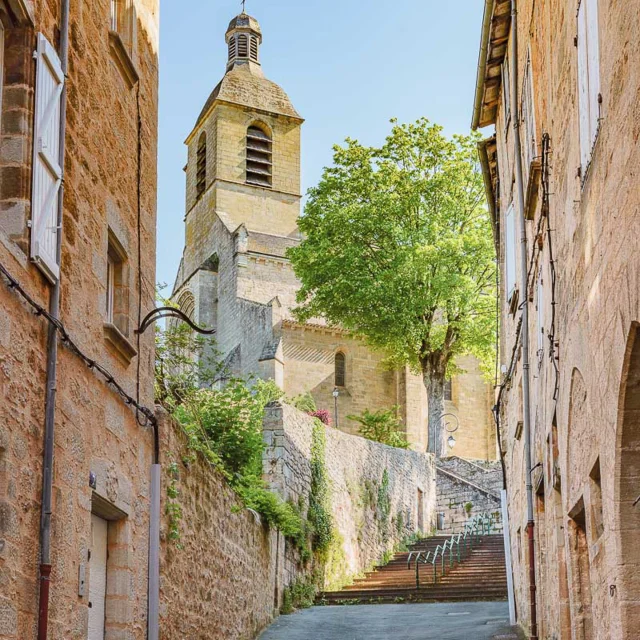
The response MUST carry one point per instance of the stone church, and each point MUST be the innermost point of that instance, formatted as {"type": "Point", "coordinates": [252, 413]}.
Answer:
{"type": "Point", "coordinates": [242, 205]}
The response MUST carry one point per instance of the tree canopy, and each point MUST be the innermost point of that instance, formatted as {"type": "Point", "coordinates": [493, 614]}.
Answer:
{"type": "Point", "coordinates": [398, 248]}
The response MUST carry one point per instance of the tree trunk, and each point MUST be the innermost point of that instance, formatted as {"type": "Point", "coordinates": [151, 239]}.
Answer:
{"type": "Point", "coordinates": [434, 382]}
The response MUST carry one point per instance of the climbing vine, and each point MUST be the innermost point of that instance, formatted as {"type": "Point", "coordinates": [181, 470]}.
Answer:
{"type": "Point", "coordinates": [173, 508]}
{"type": "Point", "coordinates": [319, 513]}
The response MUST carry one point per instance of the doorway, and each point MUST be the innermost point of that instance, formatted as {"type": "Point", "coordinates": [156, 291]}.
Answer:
{"type": "Point", "coordinates": [97, 577]}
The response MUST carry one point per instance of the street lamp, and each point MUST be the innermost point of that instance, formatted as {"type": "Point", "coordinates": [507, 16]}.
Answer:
{"type": "Point", "coordinates": [451, 442]}
{"type": "Point", "coordinates": [450, 423]}
{"type": "Point", "coordinates": [336, 393]}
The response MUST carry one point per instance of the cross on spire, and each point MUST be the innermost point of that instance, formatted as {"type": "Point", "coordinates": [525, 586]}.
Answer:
{"type": "Point", "coordinates": [244, 2]}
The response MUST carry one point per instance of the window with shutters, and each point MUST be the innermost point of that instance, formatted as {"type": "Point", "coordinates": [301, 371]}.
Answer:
{"type": "Point", "coordinates": [117, 289]}
{"type": "Point", "coordinates": [46, 171]}
{"type": "Point", "coordinates": [259, 157]}
{"type": "Point", "coordinates": [201, 166]}
{"type": "Point", "coordinates": [232, 48]}
{"type": "Point", "coordinates": [589, 98]}
{"type": "Point", "coordinates": [529, 141]}
{"type": "Point", "coordinates": [510, 254]}
{"type": "Point", "coordinates": [541, 329]}
{"type": "Point", "coordinates": [340, 369]}
{"type": "Point", "coordinates": [506, 92]}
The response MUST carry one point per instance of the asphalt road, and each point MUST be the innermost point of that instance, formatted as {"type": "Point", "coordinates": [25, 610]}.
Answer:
{"type": "Point", "coordinates": [458, 621]}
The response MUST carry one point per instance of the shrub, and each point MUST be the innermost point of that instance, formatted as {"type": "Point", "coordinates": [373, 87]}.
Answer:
{"type": "Point", "coordinates": [382, 426]}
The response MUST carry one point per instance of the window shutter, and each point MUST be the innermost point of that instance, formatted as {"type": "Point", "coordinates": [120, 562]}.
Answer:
{"type": "Point", "coordinates": [47, 173]}
{"type": "Point", "coordinates": [510, 252]}
{"type": "Point", "coordinates": [583, 86]}
{"type": "Point", "coordinates": [593, 52]}
{"type": "Point", "coordinates": [540, 316]}
{"type": "Point", "coordinates": [506, 91]}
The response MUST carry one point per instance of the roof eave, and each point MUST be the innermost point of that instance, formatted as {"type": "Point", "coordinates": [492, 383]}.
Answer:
{"type": "Point", "coordinates": [482, 63]}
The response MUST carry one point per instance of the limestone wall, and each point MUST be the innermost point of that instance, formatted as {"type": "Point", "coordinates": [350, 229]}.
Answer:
{"type": "Point", "coordinates": [356, 468]}
{"type": "Point", "coordinates": [223, 581]}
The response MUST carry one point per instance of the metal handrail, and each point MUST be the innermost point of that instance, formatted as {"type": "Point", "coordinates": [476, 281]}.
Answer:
{"type": "Point", "coordinates": [479, 525]}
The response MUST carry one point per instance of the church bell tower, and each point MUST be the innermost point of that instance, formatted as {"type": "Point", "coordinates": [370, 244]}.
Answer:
{"type": "Point", "coordinates": [244, 151]}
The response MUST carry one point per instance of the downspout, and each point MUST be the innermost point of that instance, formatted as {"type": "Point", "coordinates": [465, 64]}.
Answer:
{"type": "Point", "coordinates": [52, 356]}
{"type": "Point", "coordinates": [525, 318]}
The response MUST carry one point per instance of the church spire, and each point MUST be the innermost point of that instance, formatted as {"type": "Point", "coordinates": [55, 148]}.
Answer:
{"type": "Point", "coordinates": [244, 38]}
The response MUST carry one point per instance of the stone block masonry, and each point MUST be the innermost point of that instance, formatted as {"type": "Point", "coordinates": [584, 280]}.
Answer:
{"type": "Point", "coordinates": [379, 494]}
{"type": "Point", "coordinates": [222, 579]}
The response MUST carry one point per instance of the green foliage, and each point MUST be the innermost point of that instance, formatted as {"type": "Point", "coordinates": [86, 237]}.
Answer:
{"type": "Point", "coordinates": [303, 402]}
{"type": "Point", "coordinates": [300, 595]}
{"type": "Point", "coordinates": [384, 505]}
{"type": "Point", "coordinates": [319, 513]}
{"type": "Point", "coordinates": [223, 423]}
{"type": "Point", "coordinates": [173, 508]}
{"type": "Point", "coordinates": [399, 250]}
{"type": "Point", "coordinates": [468, 508]}
{"type": "Point", "coordinates": [382, 426]}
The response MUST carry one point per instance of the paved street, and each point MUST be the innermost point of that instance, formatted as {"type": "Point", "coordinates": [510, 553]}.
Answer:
{"type": "Point", "coordinates": [459, 621]}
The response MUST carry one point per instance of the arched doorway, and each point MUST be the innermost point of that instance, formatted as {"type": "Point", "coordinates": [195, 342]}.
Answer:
{"type": "Point", "coordinates": [628, 488]}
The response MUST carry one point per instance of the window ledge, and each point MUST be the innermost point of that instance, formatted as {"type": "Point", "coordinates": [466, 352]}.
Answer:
{"type": "Point", "coordinates": [122, 59]}
{"type": "Point", "coordinates": [121, 343]}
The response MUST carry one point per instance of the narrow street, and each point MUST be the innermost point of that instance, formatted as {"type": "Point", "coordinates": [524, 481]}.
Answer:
{"type": "Point", "coordinates": [441, 621]}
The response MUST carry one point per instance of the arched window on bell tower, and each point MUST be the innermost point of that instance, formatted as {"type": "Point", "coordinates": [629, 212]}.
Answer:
{"type": "Point", "coordinates": [201, 165]}
{"type": "Point", "coordinates": [340, 370]}
{"type": "Point", "coordinates": [259, 157]}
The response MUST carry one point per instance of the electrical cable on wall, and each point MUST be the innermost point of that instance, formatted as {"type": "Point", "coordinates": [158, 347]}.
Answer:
{"type": "Point", "coordinates": [67, 341]}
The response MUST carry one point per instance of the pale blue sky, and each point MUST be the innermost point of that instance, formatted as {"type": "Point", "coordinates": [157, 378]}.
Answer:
{"type": "Point", "coordinates": [348, 67]}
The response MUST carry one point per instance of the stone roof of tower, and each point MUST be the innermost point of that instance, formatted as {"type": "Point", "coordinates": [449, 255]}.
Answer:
{"type": "Point", "coordinates": [242, 87]}
{"type": "Point", "coordinates": [244, 21]}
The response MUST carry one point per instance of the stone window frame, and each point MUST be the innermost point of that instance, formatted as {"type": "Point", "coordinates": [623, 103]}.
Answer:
{"type": "Point", "coordinates": [201, 166]}
{"type": "Point", "coordinates": [117, 288]}
{"type": "Point", "coordinates": [16, 127]}
{"type": "Point", "coordinates": [123, 38]}
{"type": "Point", "coordinates": [252, 177]}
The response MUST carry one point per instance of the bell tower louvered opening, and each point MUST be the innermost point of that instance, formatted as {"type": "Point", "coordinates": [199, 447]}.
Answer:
{"type": "Point", "coordinates": [244, 38]}
{"type": "Point", "coordinates": [259, 158]}
{"type": "Point", "coordinates": [201, 166]}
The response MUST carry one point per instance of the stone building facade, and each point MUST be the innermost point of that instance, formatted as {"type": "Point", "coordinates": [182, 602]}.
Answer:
{"type": "Point", "coordinates": [102, 455]}
{"type": "Point", "coordinates": [578, 117]}
{"type": "Point", "coordinates": [242, 206]}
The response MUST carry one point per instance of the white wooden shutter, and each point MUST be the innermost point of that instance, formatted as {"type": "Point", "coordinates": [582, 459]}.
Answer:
{"type": "Point", "coordinates": [540, 316]}
{"type": "Point", "coordinates": [593, 52]}
{"type": "Point", "coordinates": [47, 173]}
{"type": "Point", "coordinates": [583, 86]}
{"type": "Point", "coordinates": [510, 252]}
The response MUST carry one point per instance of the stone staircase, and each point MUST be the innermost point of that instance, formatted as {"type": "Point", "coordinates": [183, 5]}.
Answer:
{"type": "Point", "coordinates": [481, 575]}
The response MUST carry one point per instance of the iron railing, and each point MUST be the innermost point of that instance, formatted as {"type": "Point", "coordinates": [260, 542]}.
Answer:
{"type": "Point", "coordinates": [458, 546]}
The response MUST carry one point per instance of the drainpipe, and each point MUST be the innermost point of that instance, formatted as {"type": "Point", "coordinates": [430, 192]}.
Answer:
{"type": "Point", "coordinates": [525, 318]}
{"type": "Point", "coordinates": [52, 358]}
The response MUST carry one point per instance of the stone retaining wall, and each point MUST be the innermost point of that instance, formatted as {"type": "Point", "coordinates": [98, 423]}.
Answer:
{"type": "Point", "coordinates": [372, 510]}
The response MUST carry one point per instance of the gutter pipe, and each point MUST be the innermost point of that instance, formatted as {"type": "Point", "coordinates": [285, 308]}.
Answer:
{"type": "Point", "coordinates": [482, 62]}
{"type": "Point", "coordinates": [52, 357]}
{"type": "Point", "coordinates": [526, 366]}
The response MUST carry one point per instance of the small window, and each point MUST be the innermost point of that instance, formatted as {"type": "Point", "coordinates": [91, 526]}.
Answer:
{"type": "Point", "coordinates": [117, 291]}
{"type": "Point", "coordinates": [232, 48]}
{"type": "Point", "coordinates": [254, 48]}
{"type": "Point", "coordinates": [510, 253]}
{"type": "Point", "coordinates": [259, 157]}
{"type": "Point", "coordinates": [123, 20]}
{"type": "Point", "coordinates": [588, 79]}
{"type": "Point", "coordinates": [243, 46]}
{"type": "Point", "coordinates": [340, 370]}
{"type": "Point", "coordinates": [540, 301]}
{"type": "Point", "coordinates": [201, 166]}
{"type": "Point", "coordinates": [448, 390]}
{"type": "Point", "coordinates": [595, 502]}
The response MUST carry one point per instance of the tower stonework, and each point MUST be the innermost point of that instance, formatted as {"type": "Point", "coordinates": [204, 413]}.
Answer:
{"type": "Point", "coordinates": [242, 208]}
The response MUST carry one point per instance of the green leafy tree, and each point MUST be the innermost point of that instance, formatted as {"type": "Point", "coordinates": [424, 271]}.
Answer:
{"type": "Point", "coordinates": [382, 426]}
{"type": "Point", "coordinates": [398, 249]}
